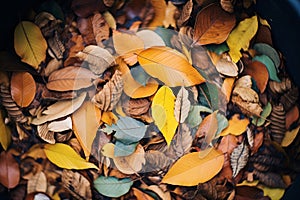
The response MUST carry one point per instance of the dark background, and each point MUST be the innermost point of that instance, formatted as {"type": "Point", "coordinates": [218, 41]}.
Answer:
{"type": "Point", "coordinates": [282, 15]}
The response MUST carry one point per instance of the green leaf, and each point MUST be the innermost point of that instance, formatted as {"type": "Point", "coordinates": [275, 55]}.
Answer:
{"type": "Point", "coordinates": [266, 60]}
{"type": "Point", "coordinates": [209, 96]}
{"type": "Point", "coordinates": [122, 149]}
{"type": "Point", "coordinates": [112, 186]}
{"type": "Point", "coordinates": [139, 74]}
{"type": "Point", "coordinates": [218, 48]}
{"type": "Point", "coordinates": [66, 157]}
{"type": "Point", "coordinates": [194, 118]}
{"type": "Point", "coordinates": [259, 121]}
{"type": "Point", "coordinates": [268, 50]}
{"type": "Point", "coordinates": [222, 123]}
{"type": "Point", "coordinates": [128, 130]}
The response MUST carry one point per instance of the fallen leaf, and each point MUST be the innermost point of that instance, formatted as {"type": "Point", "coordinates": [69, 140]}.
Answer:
{"type": "Point", "coordinates": [236, 126]}
{"type": "Point", "coordinates": [30, 44]}
{"type": "Point", "coordinates": [273, 193]}
{"type": "Point", "coordinates": [268, 50]}
{"type": "Point", "coordinates": [86, 121]}
{"type": "Point", "coordinates": [227, 87]}
{"type": "Point", "coordinates": [291, 116]}
{"type": "Point", "coordinates": [197, 170]}
{"type": "Point", "coordinates": [101, 29]}
{"type": "Point", "coordinates": [259, 121]}
{"type": "Point", "coordinates": [239, 158]}
{"type": "Point", "coordinates": [69, 159]}
{"type": "Point", "coordinates": [163, 112]}
{"type": "Point", "coordinates": [290, 136]}
{"type": "Point", "coordinates": [126, 43]}
{"type": "Point", "coordinates": [112, 186]}
{"type": "Point", "coordinates": [169, 66]}
{"type": "Point", "coordinates": [160, 7]}
{"type": "Point", "coordinates": [5, 133]}
{"type": "Point", "coordinates": [70, 78]}
{"type": "Point", "coordinates": [139, 194]}
{"type": "Point", "coordinates": [240, 37]}
{"type": "Point", "coordinates": [169, 20]}
{"type": "Point", "coordinates": [150, 38]}
{"type": "Point", "coordinates": [9, 170]}
{"type": "Point", "coordinates": [227, 68]}
{"type": "Point", "coordinates": [37, 183]}
{"type": "Point", "coordinates": [266, 60]}
{"type": "Point", "coordinates": [22, 88]}
{"type": "Point", "coordinates": [182, 105]}
{"type": "Point", "coordinates": [213, 25]}
{"type": "Point", "coordinates": [109, 118]}
{"type": "Point", "coordinates": [110, 20]}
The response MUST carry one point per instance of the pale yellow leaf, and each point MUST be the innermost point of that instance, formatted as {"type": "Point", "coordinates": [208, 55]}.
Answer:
{"type": "Point", "coordinates": [60, 125]}
{"type": "Point", "coordinates": [86, 121]}
{"type": "Point", "coordinates": [66, 157]}
{"type": "Point", "coordinates": [190, 169]}
{"type": "Point", "coordinates": [150, 38]}
{"type": "Point", "coordinates": [163, 112]}
{"type": "Point", "coordinates": [110, 20]}
{"type": "Point", "coordinates": [125, 43]}
{"type": "Point", "coordinates": [182, 105]}
{"type": "Point", "coordinates": [273, 193]}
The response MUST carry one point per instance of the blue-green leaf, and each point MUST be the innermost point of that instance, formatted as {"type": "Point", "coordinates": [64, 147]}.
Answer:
{"type": "Point", "coordinates": [266, 60]}
{"type": "Point", "coordinates": [222, 123]}
{"type": "Point", "coordinates": [112, 186]}
{"type": "Point", "coordinates": [259, 121]}
{"type": "Point", "coordinates": [268, 50]}
{"type": "Point", "coordinates": [194, 118]}
{"type": "Point", "coordinates": [122, 149]}
{"type": "Point", "coordinates": [139, 74]}
{"type": "Point", "coordinates": [129, 130]}
{"type": "Point", "coordinates": [218, 48]}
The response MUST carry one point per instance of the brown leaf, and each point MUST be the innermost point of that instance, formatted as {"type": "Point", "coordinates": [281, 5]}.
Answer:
{"type": "Point", "coordinates": [37, 183]}
{"type": "Point", "coordinates": [185, 13]}
{"type": "Point", "coordinates": [23, 88]}
{"type": "Point", "coordinates": [227, 5]}
{"type": "Point", "coordinates": [264, 35]}
{"type": "Point", "coordinates": [100, 28]}
{"type": "Point", "coordinates": [270, 179]}
{"type": "Point", "coordinates": [85, 8]}
{"type": "Point", "coordinates": [139, 194]}
{"type": "Point", "coordinates": [258, 141]}
{"type": "Point", "coordinates": [109, 96]}
{"type": "Point", "coordinates": [278, 123]}
{"type": "Point", "coordinates": [9, 170]}
{"type": "Point", "coordinates": [44, 133]}
{"type": "Point", "coordinates": [213, 25]}
{"type": "Point", "coordinates": [70, 78]}
{"type": "Point", "coordinates": [227, 144]}
{"type": "Point", "coordinates": [74, 45]}
{"type": "Point", "coordinates": [136, 107]}
{"type": "Point", "coordinates": [85, 27]}
{"type": "Point", "coordinates": [249, 193]}
{"type": "Point", "coordinates": [56, 47]}
{"type": "Point", "coordinates": [259, 73]}
{"type": "Point", "coordinates": [291, 116]}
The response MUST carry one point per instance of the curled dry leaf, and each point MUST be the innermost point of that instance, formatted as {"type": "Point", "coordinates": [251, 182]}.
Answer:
{"type": "Point", "coordinates": [22, 88]}
{"type": "Point", "coordinates": [291, 116]}
{"type": "Point", "coordinates": [213, 25]}
{"type": "Point", "coordinates": [100, 28]}
{"type": "Point", "coordinates": [37, 183]}
{"type": "Point", "coordinates": [44, 133]}
{"type": "Point", "coordinates": [185, 14]}
{"type": "Point", "coordinates": [227, 67]}
{"type": "Point", "coordinates": [96, 58]}
{"type": "Point", "coordinates": [150, 38]}
{"type": "Point", "coordinates": [227, 5]}
{"type": "Point", "coordinates": [107, 98]}
{"type": "Point", "coordinates": [70, 78]}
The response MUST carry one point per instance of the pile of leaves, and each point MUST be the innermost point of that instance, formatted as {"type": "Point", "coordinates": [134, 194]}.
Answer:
{"type": "Point", "coordinates": [146, 99]}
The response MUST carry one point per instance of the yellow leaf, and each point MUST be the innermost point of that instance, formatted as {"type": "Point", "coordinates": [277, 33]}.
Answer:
{"type": "Point", "coordinates": [227, 87]}
{"type": "Point", "coordinates": [108, 150]}
{"type": "Point", "coordinates": [169, 66]}
{"type": "Point", "coordinates": [240, 37]}
{"type": "Point", "coordinates": [163, 112]}
{"type": "Point", "coordinates": [273, 193]}
{"type": "Point", "coordinates": [5, 133]}
{"type": "Point", "coordinates": [190, 169]}
{"type": "Point", "coordinates": [264, 22]}
{"type": "Point", "coordinates": [109, 118]}
{"type": "Point", "coordinates": [109, 18]}
{"type": "Point", "coordinates": [290, 136]}
{"type": "Point", "coordinates": [247, 183]}
{"type": "Point", "coordinates": [236, 126]}
{"type": "Point", "coordinates": [132, 88]}
{"type": "Point", "coordinates": [86, 121]}
{"type": "Point", "coordinates": [160, 7]}
{"type": "Point", "coordinates": [66, 157]}
{"type": "Point", "coordinates": [126, 43]}
{"type": "Point", "coordinates": [30, 44]}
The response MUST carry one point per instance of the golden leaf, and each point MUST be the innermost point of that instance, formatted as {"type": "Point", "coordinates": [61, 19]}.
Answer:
{"type": "Point", "coordinates": [66, 157]}
{"type": "Point", "coordinates": [5, 133]}
{"type": "Point", "coordinates": [30, 44]}
{"type": "Point", "coordinates": [169, 66]}
{"type": "Point", "coordinates": [240, 37]}
{"type": "Point", "coordinates": [109, 118]}
{"type": "Point", "coordinates": [163, 112]}
{"type": "Point", "coordinates": [160, 7]}
{"type": "Point", "coordinates": [190, 170]}
{"type": "Point", "coordinates": [86, 121]}
{"type": "Point", "coordinates": [290, 136]}
{"type": "Point", "coordinates": [227, 87]}
{"type": "Point", "coordinates": [236, 126]}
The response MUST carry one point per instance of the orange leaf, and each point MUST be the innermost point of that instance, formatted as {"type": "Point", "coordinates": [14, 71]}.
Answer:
{"type": "Point", "coordinates": [213, 25]}
{"type": "Point", "coordinates": [236, 126]}
{"type": "Point", "coordinates": [190, 170]}
{"type": "Point", "coordinates": [259, 73]}
{"type": "Point", "coordinates": [227, 87]}
{"type": "Point", "coordinates": [23, 88]}
{"type": "Point", "coordinates": [109, 118]}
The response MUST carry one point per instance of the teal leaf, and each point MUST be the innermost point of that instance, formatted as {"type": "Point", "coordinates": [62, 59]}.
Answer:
{"type": "Point", "coordinates": [259, 121]}
{"type": "Point", "coordinates": [194, 118]}
{"type": "Point", "coordinates": [166, 35]}
{"type": "Point", "coordinates": [122, 149]}
{"type": "Point", "coordinates": [129, 130]}
{"type": "Point", "coordinates": [112, 186]}
{"type": "Point", "coordinates": [218, 48]}
{"type": "Point", "coordinates": [139, 74]}
{"type": "Point", "coordinates": [268, 50]}
{"type": "Point", "coordinates": [266, 60]}
{"type": "Point", "coordinates": [222, 123]}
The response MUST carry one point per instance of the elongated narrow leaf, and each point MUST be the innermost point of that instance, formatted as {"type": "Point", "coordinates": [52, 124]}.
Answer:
{"type": "Point", "coordinates": [70, 78]}
{"type": "Point", "coordinates": [9, 170]}
{"type": "Point", "coordinates": [59, 109]}
{"type": "Point", "coordinates": [190, 169]}
{"type": "Point", "coordinates": [112, 186]}
{"type": "Point", "coordinates": [169, 66]}
{"type": "Point", "coordinates": [5, 133]}
{"type": "Point", "coordinates": [240, 37]}
{"type": "Point", "coordinates": [86, 121]}
{"type": "Point", "coordinates": [182, 105]}
{"type": "Point", "coordinates": [66, 157]}
{"type": "Point", "coordinates": [163, 112]}
{"type": "Point", "coordinates": [30, 44]}
{"type": "Point", "coordinates": [213, 25]}
{"type": "Point", "coordinates": [22, 88]}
